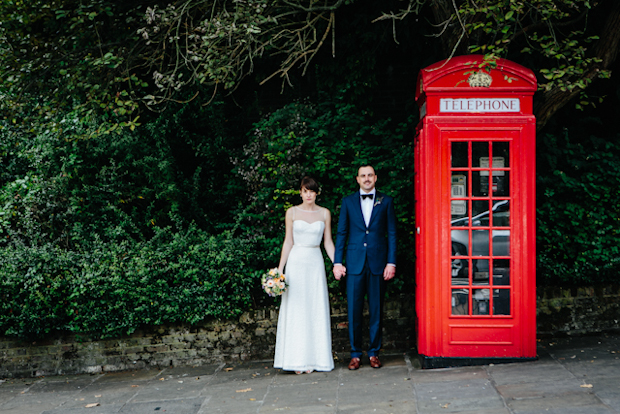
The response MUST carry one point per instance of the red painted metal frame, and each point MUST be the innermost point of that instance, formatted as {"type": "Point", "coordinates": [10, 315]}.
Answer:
{"type": "Point", "coordinates": [441, 334]}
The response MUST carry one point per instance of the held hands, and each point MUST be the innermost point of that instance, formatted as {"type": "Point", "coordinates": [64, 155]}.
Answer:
{"type": "Point", "coordinates": [339, 271]}
{"type": "Point", "coordinates": [389, 272]}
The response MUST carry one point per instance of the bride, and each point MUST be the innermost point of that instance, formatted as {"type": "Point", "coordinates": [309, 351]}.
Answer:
{"type": "Point", "coordinates": [303, 338]}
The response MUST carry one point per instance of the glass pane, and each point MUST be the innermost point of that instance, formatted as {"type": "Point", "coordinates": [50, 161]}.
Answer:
{"type": "Point", "coordinates": [480, 213]}
{"type": "Point", "coordinates": [501, 272]}
{"type": "Point", "coordinates": [460, 154]}
{"type": "Point", "coordinates": [460, 242]}
{"type": "Point", "coordinates": [479, 150]}
{"type": "Point", "coordinates": [458, 208]}
{"type": "Point", "coordinates": [481, 271]}
{"type": "Point", "coordinates": [501, 183]}
{"type": "Point", "coordinates": [460, 302]}
{"type": "Point", "coordinates": [480, 183]}
{"type": "Point", "coordinates": [501, 213]}
{"type": "Point", "coordinates": [501, 149]}
{"type": "Point", "coordinates": [480, 303]}
{"type": "Point", "coordinates": [501, 301]}
{"type": "Point", "coordinates": [460, 271]}
{"type": "Point", "coordinates": [480, 243]}
{"type": "Point", "coordinates": [501, 243]}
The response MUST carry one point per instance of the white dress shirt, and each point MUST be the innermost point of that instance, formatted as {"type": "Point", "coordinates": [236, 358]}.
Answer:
{"type": "Point", "coordinates": [367, 204]}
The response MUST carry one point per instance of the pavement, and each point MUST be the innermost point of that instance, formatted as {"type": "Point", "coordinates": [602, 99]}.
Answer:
{"type": "Point", "coordinates": [571, 375]}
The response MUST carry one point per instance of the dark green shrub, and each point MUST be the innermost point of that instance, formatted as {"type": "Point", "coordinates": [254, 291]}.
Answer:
{"type": "Point", "coordinates": [578, 235]}
{"type": "Point", "coordinates": [109, 289]}
{"type": "Point", "coordinates": [329, 142]}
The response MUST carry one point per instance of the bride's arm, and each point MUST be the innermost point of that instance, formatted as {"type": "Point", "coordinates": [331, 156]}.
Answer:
{"type": "Point", "coordinates": [327, 237]}
{"type": "Point", "coordinates": [288, 240]}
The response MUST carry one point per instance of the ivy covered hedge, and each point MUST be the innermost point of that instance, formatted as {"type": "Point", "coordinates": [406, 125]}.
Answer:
{"type": "Point", "coordinates": [578, 210]}
{"type": "Point", "coordinates": [110, 289]}
{"type": "Point", "coordinates": [174, 222]}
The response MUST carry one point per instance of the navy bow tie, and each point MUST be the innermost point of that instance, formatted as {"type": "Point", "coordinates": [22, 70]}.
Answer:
{"type": "Point", "coordinates": [367, 195]}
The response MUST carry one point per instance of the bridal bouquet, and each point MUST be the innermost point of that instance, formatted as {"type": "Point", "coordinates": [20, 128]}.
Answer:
{"type": "Point", "coordinates": [274, 282]}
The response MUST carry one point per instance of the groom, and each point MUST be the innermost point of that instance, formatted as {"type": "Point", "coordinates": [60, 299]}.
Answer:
{"type": "Point", "coordinates": [367, 227]}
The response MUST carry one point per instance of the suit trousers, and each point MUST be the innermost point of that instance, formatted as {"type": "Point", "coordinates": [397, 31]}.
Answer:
{"type": "Point", "coordinates": [358, 286]}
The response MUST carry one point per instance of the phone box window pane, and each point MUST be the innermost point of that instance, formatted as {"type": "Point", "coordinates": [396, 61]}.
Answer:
{"type": "Point", "coordinates": [479, 150]}
{"type": "Point", "coordinates": [480, 301]}
{"type": "Point", "coordinates": [460, 302]}
{"type": "Point", "coordinates": [502, 149]}
{"type": "Point", "coordinates": [460, 154]}
{"type": "Point", "coordinates": [501, 301]}
{"type": "Point", "coordinates": [480, 243]}
{"type": "Point", "coordinates": [460, 271]}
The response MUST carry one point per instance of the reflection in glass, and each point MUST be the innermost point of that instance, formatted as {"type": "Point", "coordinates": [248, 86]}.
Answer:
{"type": "Point", "coordinates": [480, 243]}
{"type": "Point", "coordinates": [501, 301]}
{"type": "Point", "coordinates": [501, 183]}
{"type": "Point", "coordinates": [501, 213]}
{"type": "Point", "coordinates": [480, 183]}
{"type": "Point", "coordinates": [501, 242]}
{"type": "Point", "coordinates": [458, 208]}
{"type": "Point", "coordinates": [480, 303]}
{"type": "Point", "coordinates": [460, 242]}
{"type": "Point", "coordinates": [460, 271]}
{"type": "Point", "coordinates": [460, 154]}
{"type": "Point", "coordinates": [460, 302]}
{"type": "Point", "coordinates": [501, 272]}
{"type": "Point", "coordinates": [479, 150]}
{"type": "Point", "coordinates": [501, 149]}
{"type": "Point", "coordinates": [498, 180]}
{"type": "Point", "coordinates": [480, 213]}
{"type": "Point", "coordinates": [481, 271]}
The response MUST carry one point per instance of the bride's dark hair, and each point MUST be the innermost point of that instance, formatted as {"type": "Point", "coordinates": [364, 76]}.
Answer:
{"type": "Point", "coordinates": [309, 183]}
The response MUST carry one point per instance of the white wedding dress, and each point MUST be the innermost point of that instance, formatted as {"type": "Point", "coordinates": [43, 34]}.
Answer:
{"type": "Point", "coordinates": [303, 338]}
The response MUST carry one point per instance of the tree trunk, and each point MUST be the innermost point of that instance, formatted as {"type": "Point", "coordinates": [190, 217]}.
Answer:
{"type": "Point", "coordinates": [606, 48]}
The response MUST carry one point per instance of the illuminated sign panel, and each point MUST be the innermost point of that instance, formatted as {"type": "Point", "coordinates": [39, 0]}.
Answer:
{"type": "Point", "coordinates": [479, 105]}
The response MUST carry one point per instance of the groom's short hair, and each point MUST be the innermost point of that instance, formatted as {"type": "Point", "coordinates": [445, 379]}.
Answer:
{"type": "Point", "coordinates": [309, 183]}
{"type": "Point", "coordinates": [365, 165]}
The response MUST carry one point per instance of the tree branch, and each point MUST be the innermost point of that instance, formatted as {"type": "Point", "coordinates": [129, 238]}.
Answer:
{"type": "Point", "coordinates": [606, 49]}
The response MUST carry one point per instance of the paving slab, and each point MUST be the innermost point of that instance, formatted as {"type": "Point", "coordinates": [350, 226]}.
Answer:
{"type": "Point", "coordinates": [130, 376]}
{"type": "Point", "coordinates": [320, 396]}
{"type": "Point", "coordinates": [458, 396]}
{"type": "Point", "coordinates": [105, 393]}
{"type": "Point", "coordinates": [587, 402]}
{"type": "Point", "coordinates": [526, 372]}
{"type": "Point", "coordinates": [372, 377]}
{"type": "Point", "coordinates": [352, 395]}
{"type": "Point", "coordinates": [542, 389]}
{"type": "Point", "coordinates": [182, 406]}
{"type": "Point", "coordinates": [448, 374]}
{"type": "Point", "coordinates": [35, 403]}
{"type": "Point", "coordinates": [572, 375]}
{"type": "Point", "coordinates": [185, 388]}
{"type": "Point", "coordinates": [395, 407]}
{"type": "Point", "coordinates": [103, 409]}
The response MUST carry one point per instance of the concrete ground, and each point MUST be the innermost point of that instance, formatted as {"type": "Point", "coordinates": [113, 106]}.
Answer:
{"type": "Point", "coordinates": [572, 375]}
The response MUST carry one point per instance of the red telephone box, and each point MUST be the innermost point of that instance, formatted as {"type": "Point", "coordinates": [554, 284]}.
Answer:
{"type": "Point", "coordinates": [475, 213]}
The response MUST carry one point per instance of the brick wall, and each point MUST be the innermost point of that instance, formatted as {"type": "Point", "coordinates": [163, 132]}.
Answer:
{"type": "Point", "coordinates": [252, 336]}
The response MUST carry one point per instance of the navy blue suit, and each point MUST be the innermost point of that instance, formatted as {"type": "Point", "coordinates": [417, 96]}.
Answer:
{"type": "Point", "coordinates": [368, 250]}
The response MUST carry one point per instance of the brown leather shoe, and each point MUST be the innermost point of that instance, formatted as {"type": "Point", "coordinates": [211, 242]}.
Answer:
{"type": "Point", "coordinates": [355, 364]}
{"type": "Point", "coordinates": [374, 362]}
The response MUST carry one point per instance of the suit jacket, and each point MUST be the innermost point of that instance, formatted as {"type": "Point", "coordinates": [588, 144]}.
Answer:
{"type": "Point", "coordinates": [375, 243]}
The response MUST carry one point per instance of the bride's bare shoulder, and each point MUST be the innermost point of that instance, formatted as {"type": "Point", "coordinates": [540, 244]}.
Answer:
{"type": "Point", "coordinates": [290, 212]}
